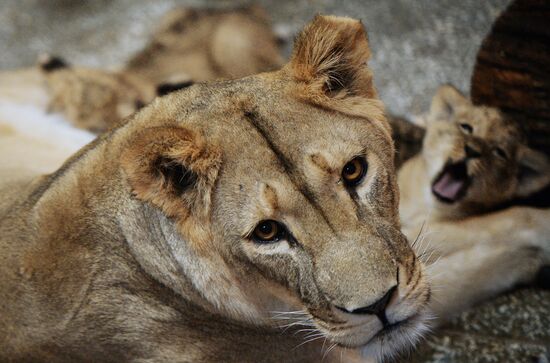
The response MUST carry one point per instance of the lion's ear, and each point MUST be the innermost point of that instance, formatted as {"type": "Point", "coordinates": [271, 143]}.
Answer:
{"type": "Point", "coordinates": [445, 103]}
{"type": "Point", "coordinates": [172, 168]}
{"type": "Point", "coordinates": [330, 56]}
{"type": "Point", "coordinates": [534, 171]}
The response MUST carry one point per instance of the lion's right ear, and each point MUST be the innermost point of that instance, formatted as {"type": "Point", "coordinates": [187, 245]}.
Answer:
{"type": "Point", "coordinates": [172, 168]}
{"type": "Point", "coordinates": [445, 103]}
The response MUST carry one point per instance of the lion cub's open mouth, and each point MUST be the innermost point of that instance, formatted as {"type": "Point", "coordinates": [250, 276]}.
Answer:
{"type": "Point", "coordinates": [451, 183]}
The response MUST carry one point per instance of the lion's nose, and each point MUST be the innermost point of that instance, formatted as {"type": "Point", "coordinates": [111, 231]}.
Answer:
{"type": "Point", "coordinates": [378, 308]}
{"type": "Point", "coordinates": [471, 152]}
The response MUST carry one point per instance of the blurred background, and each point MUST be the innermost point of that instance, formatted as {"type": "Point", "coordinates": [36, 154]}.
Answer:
{"type": "Point", "coordinates": [417, 45]}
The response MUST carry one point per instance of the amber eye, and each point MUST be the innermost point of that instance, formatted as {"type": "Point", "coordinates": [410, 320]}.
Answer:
{"type": "Point", "coordinates": [500, 153]}
{"type": "Point", "coordinates": [467, 128]}
{"type": "Point", "coordinates": [354, 171]}
{"type": "Point", "coordinates": [268, 231]}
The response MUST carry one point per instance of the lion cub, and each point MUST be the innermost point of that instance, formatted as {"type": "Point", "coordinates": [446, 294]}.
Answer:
{"type": "Point", "coordinates": [473, 161]}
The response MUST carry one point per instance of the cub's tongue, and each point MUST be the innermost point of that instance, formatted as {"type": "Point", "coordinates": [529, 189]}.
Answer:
{"type": "Point", "coordinates": [448, 187]}
{"type": "Point", "coordinates": [451, 183]}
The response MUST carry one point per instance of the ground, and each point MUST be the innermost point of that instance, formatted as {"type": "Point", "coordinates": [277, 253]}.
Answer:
{"type": "Point", "coordinates": [512, 328]}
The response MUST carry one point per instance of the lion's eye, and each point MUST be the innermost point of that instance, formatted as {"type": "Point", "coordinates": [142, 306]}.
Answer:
{"type": "Point", "coordinates": [268, 231]}
{"type": "Point", "coordinates": [354, 171]}
{"type": "Point", "coordinates": [467, 128]}
{"type": "Point", "coordinates": [500, 153]}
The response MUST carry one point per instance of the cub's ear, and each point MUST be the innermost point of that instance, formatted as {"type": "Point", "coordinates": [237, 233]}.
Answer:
{"type": "Point", "coordinates": [330, 56]}
{"type": "Point", "coordinates": [172, 168]}
{"type": "Point", "coordinates": [445, 103]}
{"type": "Point", "coordinates": [534, 171]}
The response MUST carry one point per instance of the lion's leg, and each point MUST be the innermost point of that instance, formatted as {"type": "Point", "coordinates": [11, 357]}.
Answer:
{"type": "Point", "coordinates": [486, 255]}
{"type": "Point", "coordinates": [514, 226]}
{"type": "Point", "coordinates": [470, 276]}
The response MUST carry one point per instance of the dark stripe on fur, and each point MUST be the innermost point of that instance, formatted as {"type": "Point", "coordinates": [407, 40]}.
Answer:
{"type": "Point", "coordinates": [255, 122]}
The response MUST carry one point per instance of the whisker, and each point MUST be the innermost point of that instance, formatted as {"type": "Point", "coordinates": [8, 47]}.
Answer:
{"type": "Point", "coordinates": [328, 351]}
{"type": "Point", "coordinates": [318, 336]}
{"type": "Point", "coordinates": [419, 234]}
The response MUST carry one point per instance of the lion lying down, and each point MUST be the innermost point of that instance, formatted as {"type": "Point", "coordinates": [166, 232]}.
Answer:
{"type": "Point", "coordinates": [454, 193]}
{"type": "Point", "coordinates": [189, 45]}
{"type": "Point", "coordinates": [187, 233]}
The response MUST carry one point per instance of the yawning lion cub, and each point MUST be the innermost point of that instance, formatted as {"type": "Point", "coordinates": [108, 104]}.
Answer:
{"type": "Point", "coordinates": [182, 234]}
{"type": "Point", "coordinates": [473, 162]}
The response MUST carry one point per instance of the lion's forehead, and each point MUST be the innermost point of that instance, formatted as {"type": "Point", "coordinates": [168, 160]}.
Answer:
{"type": "Point", "coordinates": [490, 123]}
{"type": "Point", "coordinates": [268, 127]}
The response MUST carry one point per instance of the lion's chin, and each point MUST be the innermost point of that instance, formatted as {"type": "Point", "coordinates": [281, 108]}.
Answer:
{"type": "Point", "coordinates": [388, 342]}
{"type": "Point", "coordinates": [396, 338]}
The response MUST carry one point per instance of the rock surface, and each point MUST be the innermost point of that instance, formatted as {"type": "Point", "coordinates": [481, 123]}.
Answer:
{"type": "Point", "coordinates": [511, 328]}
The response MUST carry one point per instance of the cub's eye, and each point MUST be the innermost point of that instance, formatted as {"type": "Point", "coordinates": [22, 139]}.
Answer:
{"type": "Point", "coordinates": [354, 171]}
{"type": "Point", "coordinates": [467, 128]}
{"type": "Point", "coordinates": [500, 153]}
{"type": "Point", "coordinates": [268, 231]}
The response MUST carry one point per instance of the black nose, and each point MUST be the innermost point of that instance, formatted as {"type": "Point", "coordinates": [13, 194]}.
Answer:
{"type": "Point", "coordinates": [378, 308]}
{"type": "Point", "coordinates": [471, 153]}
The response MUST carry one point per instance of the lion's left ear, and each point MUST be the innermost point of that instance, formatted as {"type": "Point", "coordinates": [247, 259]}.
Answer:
{"type": "Point", "coordinates": [172, 168]}
{"type": "Point", "coordinates": [330, 56]}
{"type": "Point", "coordinates": [329, 69]}
{"type": "Point", "coordinates": [534, 171]}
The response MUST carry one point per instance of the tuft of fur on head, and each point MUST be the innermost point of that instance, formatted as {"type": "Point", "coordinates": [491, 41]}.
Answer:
{"type": "Point", "coordinates": [331, 54]}
{"type": "Point", "coordinates": [329, 62]}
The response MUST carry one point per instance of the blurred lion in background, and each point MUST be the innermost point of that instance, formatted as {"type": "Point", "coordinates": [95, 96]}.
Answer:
{"type": "Point", "coordinates": [190, 45]}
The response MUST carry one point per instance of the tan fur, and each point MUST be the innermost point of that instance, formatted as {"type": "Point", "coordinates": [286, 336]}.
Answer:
{"type": "Point", "coordinates": [481, 251]}
{"type": "Point", "coordinates": [208, 44]}
{"type": "Point", "coordinates": [141, 248]}
{"type": "Point", "coordinates": [38, 155]}
{"type": "Point", "coordinates": [89, 98]}
{"type": "Point", "coordinates": [95, 99]}
{"type": "Point", "coordinates": [24, 86]}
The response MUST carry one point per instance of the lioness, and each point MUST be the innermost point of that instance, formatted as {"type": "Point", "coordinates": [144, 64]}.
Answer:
{"type": "Point", "coordinates": [189, 45]}
{"type": "Point", "coordinates": [187, 233]}
{"type": "Point", "coordinates": [208, 44]}
{"type": "Point", "coordinates": [474, 161]}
